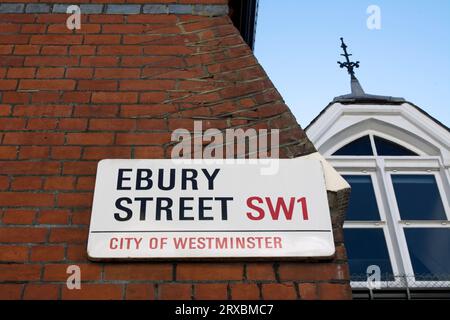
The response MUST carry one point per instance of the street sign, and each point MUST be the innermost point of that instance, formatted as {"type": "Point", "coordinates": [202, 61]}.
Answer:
{"type": "Point", "coordinates": [160, 209]}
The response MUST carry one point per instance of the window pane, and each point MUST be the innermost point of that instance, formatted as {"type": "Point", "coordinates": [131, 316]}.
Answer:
{"type": "Point", "coordinates": [362, 205]}
{"type": "Point", "coordinates": [366, 247]}
{"type": "Point", "coordinates": [389, 148]}
{"type": "Point", "coordinates": [418, 197]}
{"type": "Point", "coordinates": [359, 147]}
{"type": "Point", "coordinates": [429, 249]}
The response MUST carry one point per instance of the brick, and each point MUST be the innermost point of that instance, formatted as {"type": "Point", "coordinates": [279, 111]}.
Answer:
{"type": "Point", "coordinates": [244, 291]}
{"type": "Point", "coordinates": [37, 8]}
{"type": "Point", "coordinates": [12, 123]}
{"type": "Point", "coordinates": [5, 110]}
{"type": "Point", "coordinates": [18, 18]}
{"type": "Point", "coordinates": [94, 291]}
{"type": "Point", "coordinates": [204, 271]}
{"type": "Point", "coordinates": [56, 39]}
{"type": "Point", "coordinates": [41, 96]}
{"type": "Point", "coordinates": [98, 153]}
{"type": "Point", "coordinates": [123, 8]}
{"type": "Point", "coordinates": [99, 61]}
{"type": "Point", "coordinates": [33, 28]}
{"type": "Point", "coordinates": [76, 253]}
{"type": "Point", "coordinates": [4, 182]}
{"type": "Point", "coordinates": [80, 168]}
{"type": "Point", "coordinates": [152, 97]}
{"type": "Point", "coordinates": [11, 291]}
{"type": "Point", "coordinates": [279, 291]}
{"type": "Point", "coordinates": [175, 291]}
{"type": "Point", "coordinates": [308, 291]}
{"type": "Point", "coordinates": [89, 138]}
{"type": "Point", "coordinates": [146, 110]}
{"type": "Point", "coordinates": [136, 291]}
{"type": "Point", "coordinates": [14, 39]}
{"type": "Point", "coordinates": [8, 152]}
{"type": "Point", "coordinates": [47, 253]}
{"type": "Point", "coordinates": [117, 73]}
{"type": "Point", "coordinates": [26, 183]}
{"type": "Point", "coordinates": [13, 254]}
{"type": "Point", "coordinates": [155, 8]}
{"type": "Point", "coordinates": [50, 73]}
{"type": "Point", "coordinates": [66, 152]}
{"type": "Point", "coordinates": [180, 8]}
{"type": "Point", "coordinates": [53, 216]}
{"type": "Point", "coordinates": [148, 152]}
{"type": "Point", "coordinates": [21, 73]}
{"type": "Point", "coordinates": [76, 97]}
{"type": "Point", "coordinates": [35, 138]}
{"type": "Point", "coordinates": [124, 272]}
{"type": "Point", "coordinates": [22, 235]}
{"type": "Point", "coordinates": [86, 183]}
{"type": "Point", "coordinates": [210, 10]}
{"type": "Point", "coordinates": [91, 8]}
{"type": "Point", "coordinates": [20, 272]}
{"type": "Point", "coordinates": [94, 111]}
{"type": "Point", "coordinates": [41, 292]}
{"type": "Point", "coordinates": [15, 97]}
{"type": "Point", "coordinates": [42, 124]}
{"type": "Point", "coordinates": [26, 199]}
{"type": "Point", "coordinates": [142, 138]}
{"type": "Point", "coordinates": [18, 216]}
{"type": "Point", "coordinates": [260, 271]}
{"type": "Point", "coordinates": [147, 85]}
{"type": "Point", "coordinates": [97, 85]}
{"type": "Point", "coordinates": [47, 84]}
{"type": "Point", "coordinates": [39, 111]}
{"type": "Point", "coordinates": [74, 199]}
{"type": "Point", "coordinates": [12, 7]}
{"type": "Point", "coordinates": [102, 39]}
{"type": "Point", "coordinates": [49, 61]}
{"type": "Point", "coordinates": [82, 50]}
{"type": "Point", "coordinates": [334, 291]}
{"type": "Point", "coordinates": [8, 84]}
{"type": "Point", "coordinates": [58, 272]}
{"type": "Point", "coordinates": [312, 271]}
{"type": "Point", "coordinates": [59, 183]}
{"type": "Point", "coordinates": [72, 124]}
{"type": "Point", "coordinates": [211, 291]}
{"type": "Point", "coordinates": [121, 50]}
{"type": "Point", "coordinates": [79, 73]}
{"type": "Point", "coordinates": [71, 235]}
{"type": "Point", "coordinates": [112, 124]}
{"type": "Point", "coordinates": [114, 97]}
{"type": "Point", "coordinates": [33, 152]}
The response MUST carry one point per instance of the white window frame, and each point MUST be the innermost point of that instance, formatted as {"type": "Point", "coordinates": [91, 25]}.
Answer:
{"type": "Point", "coordinates": [400, 224]}
{"type": "Point", "coordinates": [386, 166]}
{"type": "Point", "coordinates": [381, 224]}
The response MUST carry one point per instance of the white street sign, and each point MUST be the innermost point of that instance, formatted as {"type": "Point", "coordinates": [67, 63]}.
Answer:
{"type": "Point", "coordinates": [150, 209]}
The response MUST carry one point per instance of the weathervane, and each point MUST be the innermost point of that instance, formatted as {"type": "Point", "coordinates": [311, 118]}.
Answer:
{"type": "Point", "coordinates": [348, 64]}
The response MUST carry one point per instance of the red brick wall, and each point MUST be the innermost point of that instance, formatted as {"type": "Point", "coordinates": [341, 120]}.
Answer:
{"type": "Point", "coordinates": [116, 89]}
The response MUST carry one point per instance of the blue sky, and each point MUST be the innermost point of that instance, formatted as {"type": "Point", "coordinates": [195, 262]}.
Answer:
{"type": "Point", "coordinates": [297, 42]}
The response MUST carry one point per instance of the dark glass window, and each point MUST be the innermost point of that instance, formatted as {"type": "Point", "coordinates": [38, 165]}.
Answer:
{"type": "Point", "coordinates": [366, 247]}
{"type": "Point", "coordinates": [389, 148]}
{"type": "Point", "coordinates": [363, 204]}
{"type": "Point", "coordinates": [429, 249]}
{"type": "Point", "coordinates": [418, 197]}
{"type": "Point", "coordinates": [359, 147]}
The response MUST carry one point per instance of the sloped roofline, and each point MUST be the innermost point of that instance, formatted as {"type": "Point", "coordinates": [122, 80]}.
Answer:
{"type": "Point", "coordinates": [379, 103]}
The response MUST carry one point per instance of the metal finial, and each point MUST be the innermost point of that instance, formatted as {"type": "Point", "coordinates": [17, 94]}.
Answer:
{"type": "Point", "coordinates": [348, 64]}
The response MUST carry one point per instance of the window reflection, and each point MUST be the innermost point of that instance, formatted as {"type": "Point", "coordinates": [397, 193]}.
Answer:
{"type": "Point", "coordinates": [418, 197]}
{"type": "Point", "coordinates": [429, 249]}
{"type": "Point", "coordinates": [366, 247]}
{"type": "Point", "coordinates": [389, 148]}
{"type": "Point", "coordinates": [359, 147]}
{"type": "Point", "coordinates": [362, 205]}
